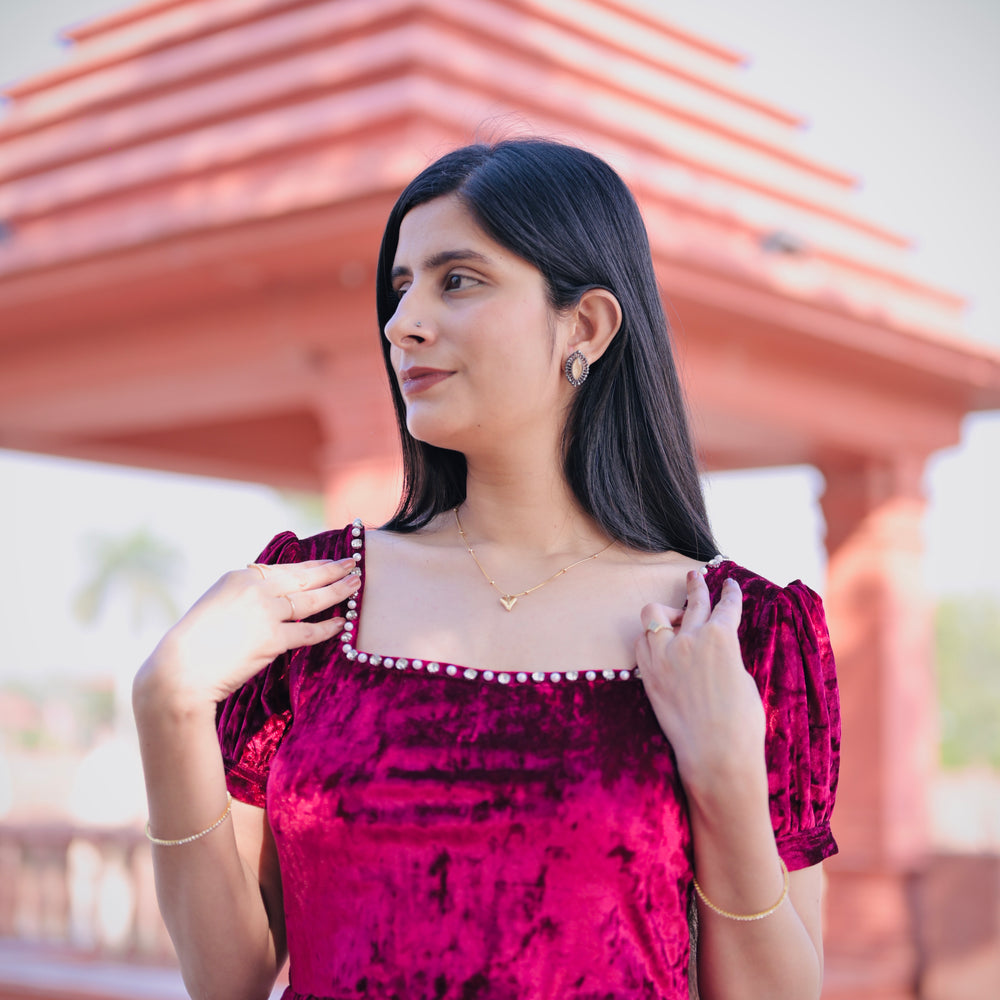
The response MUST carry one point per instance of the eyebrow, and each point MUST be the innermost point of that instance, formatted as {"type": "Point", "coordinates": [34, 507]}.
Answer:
{"type": "Point", "coordinates": [444, 257]}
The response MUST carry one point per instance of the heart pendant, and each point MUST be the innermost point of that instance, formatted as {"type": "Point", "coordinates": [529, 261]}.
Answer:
{"type": "Point", "coordinates": [508, 602]}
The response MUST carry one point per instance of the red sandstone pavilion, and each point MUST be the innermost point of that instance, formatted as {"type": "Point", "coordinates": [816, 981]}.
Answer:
{"type": "Point", "coordinates": [191, 211]}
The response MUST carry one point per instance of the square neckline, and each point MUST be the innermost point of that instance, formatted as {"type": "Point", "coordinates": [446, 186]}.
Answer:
{"type": "Point", "coordinates": [445, 669]}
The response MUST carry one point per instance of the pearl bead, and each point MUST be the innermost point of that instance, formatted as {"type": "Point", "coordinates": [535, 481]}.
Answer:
{"type": "Point", "coordinates": [450, 669]}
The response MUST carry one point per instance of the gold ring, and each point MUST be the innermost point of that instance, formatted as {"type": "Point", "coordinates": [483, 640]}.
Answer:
{"type": "Point", "coordinates": [259, 568]}
{"type": "Point", "coordinates": [653, 627]}
{"type": "Point", "coordinates": [291, 605]}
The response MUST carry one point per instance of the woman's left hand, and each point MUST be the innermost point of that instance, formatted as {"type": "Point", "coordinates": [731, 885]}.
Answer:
{"type": "Point", "coordinates": [705, 701]}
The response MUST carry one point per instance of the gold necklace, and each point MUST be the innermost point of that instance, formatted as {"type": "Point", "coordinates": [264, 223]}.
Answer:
{"type": "Point", "coordinates": [509, 600]}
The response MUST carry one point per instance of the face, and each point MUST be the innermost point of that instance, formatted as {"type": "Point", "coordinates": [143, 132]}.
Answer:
{"type": "Point", "coordinates": [476, 348]}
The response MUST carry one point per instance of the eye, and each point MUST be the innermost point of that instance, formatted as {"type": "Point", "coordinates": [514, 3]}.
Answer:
{"type": "Point", "coordinates": [456, 282]}
{"type": "Point", "coordinates": [401, 288]}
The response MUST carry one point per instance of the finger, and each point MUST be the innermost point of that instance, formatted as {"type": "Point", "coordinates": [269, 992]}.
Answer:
{"type": "Point", "coordinates": [663, 613]}
{"type": "Point", "coordinates": [659, 622]}
{"type": "Point", "coordinates": [295, 634]}
{"type": "Point", "coordinates": [323, 575]}
{"type": "Point", "coordinates": [699, 604]}
{"type": "Point", "coordinates": [729, 608]}
{"type": "Point", "coordinates": [266, 570]}
{"type": "Point", "coordinates": [283, 578]}
{"type": "Point", "coordinates": [300, 604]}
{"type": "Point", "coordinates": [291, 614]}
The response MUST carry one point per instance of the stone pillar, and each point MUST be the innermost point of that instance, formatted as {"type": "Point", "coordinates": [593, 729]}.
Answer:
{"type": "Point", "coordinates": [359, 460]}
{"type": "Point", "coordinates": [881, 626]}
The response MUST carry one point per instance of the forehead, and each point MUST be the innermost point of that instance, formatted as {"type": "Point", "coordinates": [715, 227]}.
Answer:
{"type": "Point", "coordinates": [442, 224]}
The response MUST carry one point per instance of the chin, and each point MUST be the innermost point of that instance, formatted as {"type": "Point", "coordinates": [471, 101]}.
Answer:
{"type": "Point", "coordinates": [433, 432]}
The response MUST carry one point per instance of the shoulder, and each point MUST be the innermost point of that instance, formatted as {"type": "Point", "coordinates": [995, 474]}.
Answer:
{"type": "Point", "coordinates": [338, 543]}
{"type": "Point", "coordinates": [783, 629]}
{"type": "Point", "coordinates": [762, 596]}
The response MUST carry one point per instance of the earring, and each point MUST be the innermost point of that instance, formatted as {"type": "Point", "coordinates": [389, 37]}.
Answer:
{"type": "Point", "coordinates": [576, 369]}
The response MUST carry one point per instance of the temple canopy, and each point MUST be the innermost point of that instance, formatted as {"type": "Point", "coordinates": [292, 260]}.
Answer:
{"type": "Point", "coordinates": [191, 210]}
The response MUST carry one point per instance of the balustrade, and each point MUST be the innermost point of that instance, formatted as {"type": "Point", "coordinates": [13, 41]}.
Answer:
{"type": "Point", "coordinates": [86, 889]}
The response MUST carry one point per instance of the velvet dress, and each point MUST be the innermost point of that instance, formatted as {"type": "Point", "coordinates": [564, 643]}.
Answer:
{"type": "Point", "coordinates": [452, 834]}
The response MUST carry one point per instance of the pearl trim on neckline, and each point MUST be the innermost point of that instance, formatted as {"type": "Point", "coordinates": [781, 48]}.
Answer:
{"type": "Point", "coordinates": [505, 677]}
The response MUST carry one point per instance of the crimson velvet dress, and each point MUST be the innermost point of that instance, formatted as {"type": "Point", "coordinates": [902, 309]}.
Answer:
{"type": "Point", "coordinates": [478, 835]}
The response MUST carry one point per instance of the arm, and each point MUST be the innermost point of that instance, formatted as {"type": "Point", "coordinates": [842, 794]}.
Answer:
{"type": "Point", "coordinates": [736, 860]}
{"type": "Point", "coordinates": [710, 709]}
{"type": "Point", "coordinates": [220, 894]}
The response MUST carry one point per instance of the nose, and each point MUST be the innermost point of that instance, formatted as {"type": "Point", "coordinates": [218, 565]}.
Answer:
{"type": "Point", "coordinates": [403, 328]}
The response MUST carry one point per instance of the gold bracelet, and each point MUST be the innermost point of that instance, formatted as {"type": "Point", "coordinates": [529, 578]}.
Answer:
{"type": "Point", "coordinates": [194, 836]}
{"type": "Point", "coordinates": [745, 916]}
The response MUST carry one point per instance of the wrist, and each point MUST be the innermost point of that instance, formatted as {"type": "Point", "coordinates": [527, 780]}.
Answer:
{"type": "Point", "coordinates": [725, 792]}
{"type": "Point", "coordinates": [158, 692]}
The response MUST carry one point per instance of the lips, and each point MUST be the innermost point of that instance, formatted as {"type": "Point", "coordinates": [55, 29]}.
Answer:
{"type": "Point", "coordinates": [416, 380]}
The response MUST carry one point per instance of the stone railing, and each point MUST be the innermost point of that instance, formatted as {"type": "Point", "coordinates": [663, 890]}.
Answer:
{"type": "Point", "coordinates": [89, 890]}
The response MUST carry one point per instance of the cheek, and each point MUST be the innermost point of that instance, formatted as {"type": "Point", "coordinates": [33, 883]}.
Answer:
{"type": "Point", "coordinates": [394, 358]}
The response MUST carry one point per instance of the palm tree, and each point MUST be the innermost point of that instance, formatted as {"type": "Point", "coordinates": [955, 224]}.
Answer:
{"type": "Point", "coordinates": [138, 565]}
{"type": "Point", "coordinates": [141, 568]}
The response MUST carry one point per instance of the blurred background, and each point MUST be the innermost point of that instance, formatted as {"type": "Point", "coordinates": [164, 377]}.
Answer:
{"type": "Point", "coordinates": [820, 185]}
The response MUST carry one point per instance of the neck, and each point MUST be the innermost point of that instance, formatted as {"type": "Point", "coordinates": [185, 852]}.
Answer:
{"type": "Point", "coordinates": [527, 510]}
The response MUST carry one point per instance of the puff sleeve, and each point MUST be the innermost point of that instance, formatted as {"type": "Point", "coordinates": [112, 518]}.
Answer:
{"type": "Point", "coordinates": [786, 648]}
{"type": "Point", "coordinates": [253, 719]}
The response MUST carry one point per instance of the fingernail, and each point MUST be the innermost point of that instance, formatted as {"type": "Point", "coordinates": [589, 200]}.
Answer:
{"type": "Point", "coordinates": [339, 622]}
{"type": "Point", "coordinates": [348, 563]}
{"type": "Point", "coordinates": [353, 581]}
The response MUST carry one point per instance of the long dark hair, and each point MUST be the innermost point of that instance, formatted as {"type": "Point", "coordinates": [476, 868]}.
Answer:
{"type": "Point", "coordinates": [627, 448]}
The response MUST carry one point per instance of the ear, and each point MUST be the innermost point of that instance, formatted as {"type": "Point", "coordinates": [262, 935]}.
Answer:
{"type": "Point", "coordinates": [595, 320]}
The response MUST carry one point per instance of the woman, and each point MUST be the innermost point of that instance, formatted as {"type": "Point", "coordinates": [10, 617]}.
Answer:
{"type": "Point", "coordinates": [483, 751]}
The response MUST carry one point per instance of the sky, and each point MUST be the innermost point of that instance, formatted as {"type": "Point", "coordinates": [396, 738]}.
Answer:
{"type": "Point", "coordinates": [901, 92]}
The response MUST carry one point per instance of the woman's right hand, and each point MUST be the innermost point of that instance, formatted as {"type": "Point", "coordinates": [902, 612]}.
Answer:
{"type": "Point", "coordinates": [243, 622]}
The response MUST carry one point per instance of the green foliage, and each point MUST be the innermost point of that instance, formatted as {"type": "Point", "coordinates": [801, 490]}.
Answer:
{"type": "Point", "coordinates": [138, 566]}
{"type": "Point", "coordinates": [57, 714]}
{"type": "Point", "coordinates": [967, 640]}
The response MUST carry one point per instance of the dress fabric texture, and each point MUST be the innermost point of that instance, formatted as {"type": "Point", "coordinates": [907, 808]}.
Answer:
{"type": "Point", "coordinates": [447, 838]}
